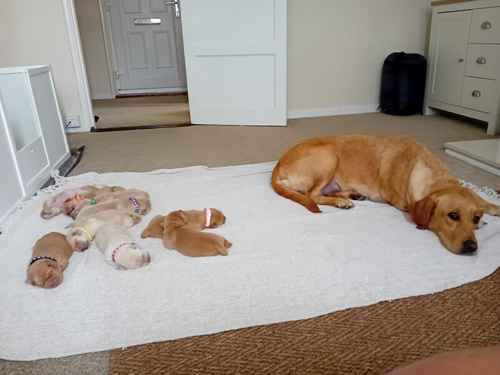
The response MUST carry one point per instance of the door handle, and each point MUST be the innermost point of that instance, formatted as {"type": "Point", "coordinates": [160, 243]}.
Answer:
{"type": "Point", "coordinates": [481, 60]}
{"type": "Point", "coordinates": [175, 4]}
{"type": "Point", "coordinates": [487, 25]}
{"type": "Point", "coordinates": [147, 21]}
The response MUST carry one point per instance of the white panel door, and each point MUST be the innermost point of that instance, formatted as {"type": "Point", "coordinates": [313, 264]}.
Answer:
{"type": "Point", "coordinates": [236, 61]}
{"type": "Point", "coordinates": [148, 52]}
{"type": "Point", "coordinates": [450, 56]}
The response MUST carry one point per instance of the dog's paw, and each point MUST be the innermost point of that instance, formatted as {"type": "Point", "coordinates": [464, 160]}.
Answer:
{"type": "Point", "coordinates": [344, 204]}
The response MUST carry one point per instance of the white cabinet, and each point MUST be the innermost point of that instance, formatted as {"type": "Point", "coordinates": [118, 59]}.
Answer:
{"type": "Point", "coordinates": [12, 191]}
{"type": "Point", "coordinates": [33, 142]}
{"type": "Point", "coordinates": [464, 58]}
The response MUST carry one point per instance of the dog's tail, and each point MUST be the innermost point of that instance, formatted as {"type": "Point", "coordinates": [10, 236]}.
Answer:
{"type": "Point", "coordinates": [295, 196]}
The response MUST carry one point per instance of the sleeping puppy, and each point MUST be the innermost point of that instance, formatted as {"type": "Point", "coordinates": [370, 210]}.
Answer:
{"type": "Point", "coordinates": [83, 231]}
{"type": "Point", "coordinates": [336, 170]}
{"type": "Point", "coordinates": [196, 220]}
{"type": "Point", "coordinates": [66, 200]}
{"type": "Point", "coordinates": [50, 258]}
{"type": "Point", "coordinates": [119, 248]}
{"type": "Point", "coordinates": [132, 200]}
{"type": "Point", "coordinates": [181, 235]}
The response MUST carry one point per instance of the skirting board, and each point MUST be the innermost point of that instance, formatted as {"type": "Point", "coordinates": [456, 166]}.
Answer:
{"type": "Point", "coordinates": [333, 111]}
{"type": "Point", "coordinates": [102, 96]}
{"type": "Point", "coordinates": [474, 162]}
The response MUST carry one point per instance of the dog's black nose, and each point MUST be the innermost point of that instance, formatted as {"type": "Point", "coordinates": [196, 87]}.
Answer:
{"type": "Point", "coordinates": [469, 247]}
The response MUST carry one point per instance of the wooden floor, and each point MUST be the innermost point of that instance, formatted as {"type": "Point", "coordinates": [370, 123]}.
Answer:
{"type": "Point", "coordinates": [144, 111]}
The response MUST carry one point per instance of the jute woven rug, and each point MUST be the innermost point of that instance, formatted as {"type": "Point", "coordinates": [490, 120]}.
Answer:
{"type": "Point", "coordinates": [366, 340]}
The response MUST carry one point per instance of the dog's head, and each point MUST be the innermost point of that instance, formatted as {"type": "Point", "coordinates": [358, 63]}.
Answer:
{"type": "Point", "coordinates": [44, 274]}
{"type": "Point", "coordinates": [79, 239]}
{"type": "Point", "coordinates": [453, 214]}
{"type": "Point", "coordinates": [217, 219]}
{"type": "Point", "coordinates": [154, 228]}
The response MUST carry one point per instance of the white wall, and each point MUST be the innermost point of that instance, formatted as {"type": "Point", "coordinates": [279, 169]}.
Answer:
{"type": "Point", "coordinates": [92, 37]}
{"type": "Point", "coordinates": [336, 50]}
{"type": "Point", "coordinates": [34, 32]}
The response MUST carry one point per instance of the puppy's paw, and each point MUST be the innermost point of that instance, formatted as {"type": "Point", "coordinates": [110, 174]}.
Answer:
{"type": "Point", "coordinates": [135, 218]}
{"type": "Point", "coordinates": [47, 277]}
{"type": "Point", "coordinates": [222, 250]}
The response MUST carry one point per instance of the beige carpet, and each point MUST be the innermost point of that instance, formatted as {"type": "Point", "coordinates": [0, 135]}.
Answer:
{"type": "Point", "coordinates": [143, 111]}
{"type": "Point", "coordinates": [144, 150]}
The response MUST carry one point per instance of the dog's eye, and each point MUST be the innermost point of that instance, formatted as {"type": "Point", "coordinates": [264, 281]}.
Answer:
{"type": "Point", "coordinates": [454, 216]}
{"type": "Point", "coordinates": [476, 219]}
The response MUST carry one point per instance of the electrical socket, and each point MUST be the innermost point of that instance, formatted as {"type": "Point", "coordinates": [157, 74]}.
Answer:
{"type": "Point", "coordinates": [72, 122]}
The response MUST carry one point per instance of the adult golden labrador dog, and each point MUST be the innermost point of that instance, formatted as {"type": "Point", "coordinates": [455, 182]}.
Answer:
{"type": "Point", "coordinates": [395, 170]}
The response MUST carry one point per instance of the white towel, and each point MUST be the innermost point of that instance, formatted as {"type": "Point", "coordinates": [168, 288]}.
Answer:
{"type": "Point", "coordinates": [285, 264]}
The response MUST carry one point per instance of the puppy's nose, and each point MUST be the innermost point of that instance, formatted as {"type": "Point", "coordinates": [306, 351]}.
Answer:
{"type": "Point", "coordinates": [469, 247]}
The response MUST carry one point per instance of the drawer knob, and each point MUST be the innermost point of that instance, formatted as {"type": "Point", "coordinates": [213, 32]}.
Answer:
{"type": "Point", "coordinates": [476, 94]}
{"type": "Point", "coordinates": [481, 60]}
{"type": "Point", "coordinates": [486, 25]}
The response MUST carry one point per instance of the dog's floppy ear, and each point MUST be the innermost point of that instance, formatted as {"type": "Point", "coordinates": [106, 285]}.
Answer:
{"type": "Point", "coordinates": [176, 219]}
{"type": "Point", "coordinates": [422, 212]}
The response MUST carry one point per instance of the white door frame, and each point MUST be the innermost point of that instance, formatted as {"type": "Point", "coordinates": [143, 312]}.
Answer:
{"type": "Point", "coordinates": [87, 113]}
{"type": "Point", "coordinates": [109, 48]}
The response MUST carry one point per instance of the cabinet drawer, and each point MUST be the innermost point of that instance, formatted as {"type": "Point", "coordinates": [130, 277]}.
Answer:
{"type": "Point", "coordinates": [485, 27]}
{"type": "Point", "coordinates": [483, 61]}
{"type": "Point", "coordinates": [32, 160]}
{"type": "Point", "coordinates": [479, 94]}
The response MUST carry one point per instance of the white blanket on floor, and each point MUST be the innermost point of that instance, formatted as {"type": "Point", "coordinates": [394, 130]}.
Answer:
{"type": "Point", "coordinates": [285, 264]}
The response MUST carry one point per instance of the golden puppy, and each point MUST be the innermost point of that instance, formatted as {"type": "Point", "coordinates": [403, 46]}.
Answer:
{"type": "Point", "coordinates": [50, 258]}
{"type": "Point", "coordinates": [181, 235]}
{"type": "Point", "coordinates": [119, 248]}
{"type": "Point", "coordinates": [398, 171]}
{"type": "Point", "coordinates": [181, 230]}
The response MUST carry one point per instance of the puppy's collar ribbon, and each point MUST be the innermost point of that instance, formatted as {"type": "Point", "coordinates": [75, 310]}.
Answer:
{"type": "Point", "coordinates": [85, 231]}
{"type": "Point", "coordinates": [135, 204]}
{"type": "Point", "coordinates": [36, 259]}
{"type": "Point", "coordinates": [114, 253]}
{"type": "Point", "coordinates": [208, 217]}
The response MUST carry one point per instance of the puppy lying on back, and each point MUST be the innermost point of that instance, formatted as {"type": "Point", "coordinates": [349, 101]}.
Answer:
{"type": "Point", "coordinates": [181, 230]}
{"type": "Point", "coordinates": [119, 248]}
{"type": "Point", "coordinates": [50, 258]}
{"type": "Point", "coordinates": [68, 199]}
{"type": "Point", "coordinates": [83, 231]}
{"type": "Point", "coordinates": [132, 200]}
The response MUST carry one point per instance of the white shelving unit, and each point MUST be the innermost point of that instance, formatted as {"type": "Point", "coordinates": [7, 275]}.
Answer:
{"type": "Point", "coordinates": [464, 60]}
{"type": "Point", "coordinates": [33, 142]}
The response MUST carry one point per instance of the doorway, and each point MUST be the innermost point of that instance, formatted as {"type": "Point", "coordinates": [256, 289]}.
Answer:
{"type": "Point", "coordinates": [134, 59]}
